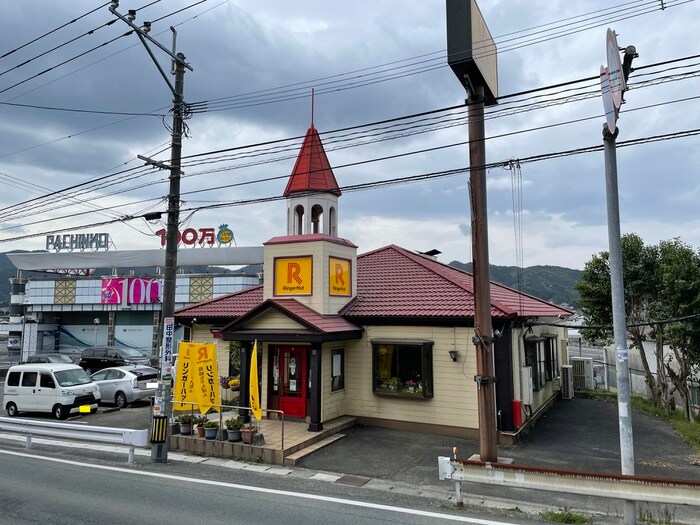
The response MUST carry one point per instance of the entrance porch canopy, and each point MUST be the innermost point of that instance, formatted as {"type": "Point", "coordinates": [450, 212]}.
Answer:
{"type": "Point", "coordinates": [314, 327]}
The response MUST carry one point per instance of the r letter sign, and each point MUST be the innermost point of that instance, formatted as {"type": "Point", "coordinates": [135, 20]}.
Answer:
{"type": "Point", "coordinates": [293, 276]}
{"type": "Point", "coordinates": [339, 282]}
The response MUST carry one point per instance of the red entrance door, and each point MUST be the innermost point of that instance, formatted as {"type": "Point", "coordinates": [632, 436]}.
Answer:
{"type": "Point", "coordinates": [293, 381]}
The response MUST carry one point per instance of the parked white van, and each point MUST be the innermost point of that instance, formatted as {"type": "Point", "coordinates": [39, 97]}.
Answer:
{"type": "Point", "coordinates": [57, 388]}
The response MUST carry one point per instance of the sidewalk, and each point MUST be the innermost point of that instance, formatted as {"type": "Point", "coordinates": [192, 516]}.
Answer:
{"type": "Point", "coordinates": [581, 434]}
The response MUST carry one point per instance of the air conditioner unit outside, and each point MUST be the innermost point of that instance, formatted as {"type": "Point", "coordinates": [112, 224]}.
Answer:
{"type": "Point", "coordinates": [583, 373]}
{"type": "Point", "coordinates": [567, 382]}
{"type": "Point", "coordinates": [526, 385]}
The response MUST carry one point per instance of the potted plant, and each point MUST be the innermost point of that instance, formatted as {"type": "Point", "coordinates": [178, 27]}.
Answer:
{"type": "Point", "coordinates": [394, 384]}
{"type": "Point", "coordinates": [234, 382]}
{"type": "Point", "coordinates": [234, 426]}
{"type": "Point", "coordinates": [211, 428]}
{"type": "Point", "coordinates": [185, 421]}
{"type": "Point", "coordinates": [223, 382]}
{"type": "Point", "coordinates": [247, 433]}
{"type": "Point", "coordinates": [199, 422]}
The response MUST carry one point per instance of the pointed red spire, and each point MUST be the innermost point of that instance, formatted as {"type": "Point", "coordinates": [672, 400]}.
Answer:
{"type": "Point", "coordinates": [312, 171]}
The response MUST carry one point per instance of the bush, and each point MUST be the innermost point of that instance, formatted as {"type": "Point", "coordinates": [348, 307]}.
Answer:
{"type": "Point", "coordinates": [234, 424]}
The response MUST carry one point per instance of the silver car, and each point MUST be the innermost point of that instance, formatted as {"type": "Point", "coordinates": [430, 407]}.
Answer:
{"type": "Point", "coordinates": [122, 385]}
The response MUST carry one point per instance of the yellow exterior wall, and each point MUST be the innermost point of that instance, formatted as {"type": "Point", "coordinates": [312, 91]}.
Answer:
{"type": "Point", "coordinates": [454, 402]}
{"type": "Point", "coordinates": [333, 404]}
{"type": "Point", "coordinates": [273, 319]}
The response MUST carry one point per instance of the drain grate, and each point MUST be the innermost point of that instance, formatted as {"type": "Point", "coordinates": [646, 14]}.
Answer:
{"type": "Point", "coordinates": [353, 481]}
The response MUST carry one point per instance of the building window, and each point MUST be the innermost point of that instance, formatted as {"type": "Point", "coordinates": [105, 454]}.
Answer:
{"type": "Point", "coordinates": [403, 369]}
{"type": "Point", "coordinates": [551, 357]}
{"type": "Point", "coordinates": [535, 358]}
{"type": "Point", "coordinates": [337, 369]}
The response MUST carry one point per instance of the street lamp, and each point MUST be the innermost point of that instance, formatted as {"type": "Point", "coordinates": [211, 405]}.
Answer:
{"type": "Point", "coordinates": [97, 323]}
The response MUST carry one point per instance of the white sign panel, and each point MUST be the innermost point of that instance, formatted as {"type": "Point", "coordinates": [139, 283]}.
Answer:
{"type": "Point", "coordinates": [616, 78]}
{"type": "Point", "coordinates": [608, 103]}
{"type": "Point", "coordinates": [168, 341]}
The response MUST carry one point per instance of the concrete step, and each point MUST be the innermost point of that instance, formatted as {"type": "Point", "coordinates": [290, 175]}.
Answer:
{"type": "Point", "coordinates": [292, 459]}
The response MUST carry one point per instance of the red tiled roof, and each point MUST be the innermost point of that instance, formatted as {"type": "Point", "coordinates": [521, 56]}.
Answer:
{"type": "Point", "coordinates": [324, 324]}
{"type": "Point", "coordinates": [391, 282]}
{"type": "Point", "coordinates": [227, 306]}
{"type": "Point", "coordinates": [394, 282]}
{"type": "Point", "coordinates": [309, 237]}
{"type": "Point", "coordinates": [312, 171]}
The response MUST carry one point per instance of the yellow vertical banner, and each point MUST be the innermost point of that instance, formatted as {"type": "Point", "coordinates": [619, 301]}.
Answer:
{"type": "Point", "coordinates": [254, 390]}
{"type": "Point", "coordinates": [184, 387]}
{"type": "Point", "coordinates": [196, 378]}
{"type": "Point", "coordinates": [207, 378]}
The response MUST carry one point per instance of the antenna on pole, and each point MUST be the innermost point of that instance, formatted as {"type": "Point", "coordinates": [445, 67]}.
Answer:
{"type": "Point", "coordinates": [312, 107]}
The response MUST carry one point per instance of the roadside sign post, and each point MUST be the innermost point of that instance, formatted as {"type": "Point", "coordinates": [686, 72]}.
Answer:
{"type": "Point", "coordinates": [613, 85]}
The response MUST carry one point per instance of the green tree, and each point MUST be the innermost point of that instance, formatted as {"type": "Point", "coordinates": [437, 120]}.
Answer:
{"type": "Point", "coordinates": [595, 301]}
{"type": "Point", "coordinates": [678, 279]}
{"type": "Point", "coordinates": [660, 283]}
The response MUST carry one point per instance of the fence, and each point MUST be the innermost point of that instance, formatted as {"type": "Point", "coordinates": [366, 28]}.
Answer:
{"type": "Point", "coordinates": [629, 488]}
{"type": "Point", "coordinates": [233, 408]}
{"type": "Point", "coordinates": [117, 436]}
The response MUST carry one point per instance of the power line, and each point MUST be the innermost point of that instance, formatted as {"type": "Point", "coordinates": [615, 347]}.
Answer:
{"type": "Point", "coordinates": [428, 127]}
{"type": "Point", "coordinates": [52, 31]}
{"type": "Point", "coordinates": [391, 182]}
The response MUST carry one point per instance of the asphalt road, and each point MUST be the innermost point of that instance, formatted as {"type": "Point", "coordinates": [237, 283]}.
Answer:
{"type": "Point", "coordinates": [55, 491]}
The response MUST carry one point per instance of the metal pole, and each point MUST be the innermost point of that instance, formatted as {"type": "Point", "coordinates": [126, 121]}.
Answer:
{"type": "Point", "coordinates": [159, 452]}
{"type": "Point", "coordinates": [624, 408]}
{"type": "Point", "coordinates": [483, 332]}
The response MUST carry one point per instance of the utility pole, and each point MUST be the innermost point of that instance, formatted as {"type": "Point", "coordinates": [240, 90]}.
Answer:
{"type": "Point", "coordinates": [159, 451]}
{"type": "Point", "coordinates": [472, 55]}
{"type": "Point", "coordinates": [613, 80]}
{"type": "Point", "coordinates": [483, 331]}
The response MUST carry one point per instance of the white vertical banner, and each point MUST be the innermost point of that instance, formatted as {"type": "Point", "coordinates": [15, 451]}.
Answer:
{"type": "Point", "coordinates": [167, 353]}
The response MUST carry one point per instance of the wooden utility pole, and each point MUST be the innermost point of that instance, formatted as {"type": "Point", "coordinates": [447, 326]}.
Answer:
{"type": "Point", "coordinates": [483, 332]}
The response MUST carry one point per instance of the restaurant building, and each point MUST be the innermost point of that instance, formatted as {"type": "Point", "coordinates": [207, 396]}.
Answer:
{"type": "Point", "coordinates": [384, 336]}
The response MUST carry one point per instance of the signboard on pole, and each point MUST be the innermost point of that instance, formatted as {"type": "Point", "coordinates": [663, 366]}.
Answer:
{"type": "Point", "coordinates": [608, 103]}
{"type": "Point", "coordinates": [616, 78]}
{"type": "Point", "coordinates": [167, 359]}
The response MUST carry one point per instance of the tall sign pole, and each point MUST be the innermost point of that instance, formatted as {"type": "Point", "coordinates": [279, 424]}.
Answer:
{"type": "Point", "coordinates": [613, 84]}
{"type": "Point", "coordinates": [483, 331]}
{"type": "Point", "coordinates": [472, 55]}
{"type": "Point", "coordinates": [159, 451]}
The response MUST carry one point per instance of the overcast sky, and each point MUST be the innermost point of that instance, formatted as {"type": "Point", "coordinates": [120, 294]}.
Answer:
{"type": "Point", "coordinates": [255, 64]}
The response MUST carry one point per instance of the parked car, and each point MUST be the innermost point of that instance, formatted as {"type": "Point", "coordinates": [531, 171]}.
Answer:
{"type": "Point", "coordinates": [57, 388]}
{"type": "Point", "coordinates": [52, 358]}
{"type": "Point", "coordinates": [153, 360]}
{"type": "Point", "coordinates": [99, 357]}
{"type": "Point", "coordinates": [122, 385]}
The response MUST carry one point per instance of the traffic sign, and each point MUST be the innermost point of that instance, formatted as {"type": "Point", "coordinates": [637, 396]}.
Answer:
{"type": "Point", "coordinates": [608, 102]}
{"type": "Point", "coordinates": [616, 78]}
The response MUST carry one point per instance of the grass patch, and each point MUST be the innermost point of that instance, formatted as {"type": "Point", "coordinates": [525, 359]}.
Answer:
{"type": "Point", "coordinates": [565, 516]}
{"type": "Point", "coordinates": [688, 430]}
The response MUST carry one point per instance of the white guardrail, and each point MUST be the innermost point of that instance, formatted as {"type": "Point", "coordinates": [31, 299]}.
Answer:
{"type": "Point", "coordinates": [117, 436]}
{"type": "Point", "coordinates": [630, 488]}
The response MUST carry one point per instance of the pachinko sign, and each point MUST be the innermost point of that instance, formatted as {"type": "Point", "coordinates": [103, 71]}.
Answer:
{"type": "Point", "coordinates": [202, 236]}
{"type": "Point", "coordinates": [130, 290]}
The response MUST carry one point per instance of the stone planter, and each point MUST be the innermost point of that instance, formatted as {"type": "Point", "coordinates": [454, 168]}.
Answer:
{"type": "Point", "coordinates": [247, 435]}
